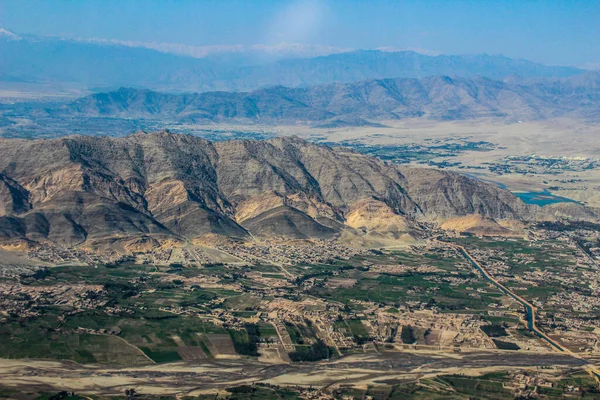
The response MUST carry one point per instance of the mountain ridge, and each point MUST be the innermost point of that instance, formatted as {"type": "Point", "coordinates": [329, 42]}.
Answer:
{"type": "Point", "coordinates": [437, 97]}
{"type": "Point", "coordinates": [53, 60]}
{"type": "Point", "coordinates": [85, 190]}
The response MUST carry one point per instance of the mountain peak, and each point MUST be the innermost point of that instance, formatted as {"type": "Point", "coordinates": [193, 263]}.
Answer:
{"type": "Point", "coordinates": [8, 34]}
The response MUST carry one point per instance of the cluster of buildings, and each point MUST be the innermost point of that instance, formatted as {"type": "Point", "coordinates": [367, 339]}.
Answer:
{"type": "Point", "coordinates": [301, 252]}
{"type": "Point", "coordinates": [24, 301]}
{"type": "Point", "coordinates": [166, 255]}
{"type": "Point", "coordinates": [564, 286]}
{"type": "Point", "coordinates": [283, 300]}
{"type": "Point", "coordinates": [535, 164]}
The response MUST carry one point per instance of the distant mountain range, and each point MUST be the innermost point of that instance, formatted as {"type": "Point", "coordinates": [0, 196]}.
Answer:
{"type": "Point", "coordinates": [359, 103]}
{"type": "Point", "coordinates": [240, 55]}
{"type": "Point", "coordinates": [232, 54]}
{"type": "Point", "coordinates": [101, 63]}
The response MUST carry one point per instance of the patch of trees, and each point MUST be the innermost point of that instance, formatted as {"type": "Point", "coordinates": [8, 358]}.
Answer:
{"type": "Point", "coordinates": [61, 395]}
{"type": "Point", "coordinates": [156, 315]}
{"type": "Point", "coordinates": [120, 261]}
{"type": "Point", "coordinates": [41, 274]}
{"type": "Point", "coordinates": [166, 285]}
{"type": "Point", "coordinates": [246, 389]}
{"type": "Point", "coordinates": [569, 226]}
{"type": "Point", "coordinates": [506, 345]}
{"type": "Point", "coordinates": [494, 330]}
{"type": "Point", "coordinates": [130, 393]}
{"type": "Point", "coordinates": [38, 275]}
{"type": "Point", "coordinates": [213, 265]}
{"type": "Point", "coordinates": [315, 352]}
{"type": "Point", "coordinates": [294, 333]}
{"type": "Point", "coordinates": [408, 335]}
{"type": "Point", "coordinates": [360, 340]}
{"type": "Point", "coordinates": [120, 290]}
{"type": "Point", "coordinates": [175, 268]}
{"type": "Point", "coordinates": [393, 332]}
{"type": "Point", "coordinates": [246, 342]}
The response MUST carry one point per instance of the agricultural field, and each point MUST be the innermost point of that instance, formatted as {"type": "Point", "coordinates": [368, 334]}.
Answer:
{"type": "Point", "coordinates": [555, 275]}
{"type": "Point", "coordinates": [427, 298]}
{"type": "Point", "coordinates": [438, 279]}
{"type": "Point", "coordinates": [164, 314]}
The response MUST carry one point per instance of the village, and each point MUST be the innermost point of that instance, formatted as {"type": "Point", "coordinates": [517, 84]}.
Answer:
{"type": "Point", "coordinates": [301, 301]}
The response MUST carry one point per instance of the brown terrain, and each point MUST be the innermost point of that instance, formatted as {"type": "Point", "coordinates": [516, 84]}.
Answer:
{"type": "Point", "coordinates": [95, 190]}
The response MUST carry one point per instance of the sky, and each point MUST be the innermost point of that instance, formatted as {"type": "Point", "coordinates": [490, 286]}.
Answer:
{"type": "Point", "coordinates": [550, 32]}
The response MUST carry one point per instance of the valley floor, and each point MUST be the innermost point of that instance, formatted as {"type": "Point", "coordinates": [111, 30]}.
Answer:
{"type": "Point", "coordinates": [193, 379]}
{"type": "Point", "coordinates": [420, 320]}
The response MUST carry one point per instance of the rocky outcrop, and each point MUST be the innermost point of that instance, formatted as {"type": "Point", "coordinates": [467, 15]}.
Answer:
{"type": "Point", "coordinates": [478, 225]}
{"type": "Point", "coordinates": [442, 195]}
{"type": "Point", "coordinates": [14, 199]}
{"type": "Point", "coordinates": [375, 218]}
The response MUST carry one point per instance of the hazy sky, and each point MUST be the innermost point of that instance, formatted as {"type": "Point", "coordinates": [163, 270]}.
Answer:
{"type": "Point", "coordinates": [552, 32]}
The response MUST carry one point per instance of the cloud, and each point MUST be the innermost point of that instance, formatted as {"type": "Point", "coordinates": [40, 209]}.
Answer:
{"type": "Point", "coordinates": [297, 22]}
{"type": "Point", "coordinates": [281, 50]}
{"type": "Point", "coordinates": [8, 34]}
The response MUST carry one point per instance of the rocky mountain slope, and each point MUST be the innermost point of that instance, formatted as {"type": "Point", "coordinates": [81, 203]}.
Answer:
{"type": "Point", "coordinates": [91, 189]}
{"type": "Point", "coordinates": [436, 97]}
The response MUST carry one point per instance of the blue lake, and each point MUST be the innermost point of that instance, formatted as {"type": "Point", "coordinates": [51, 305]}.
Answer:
{"type": "Point", "coordinates": [538, 198]}
{"type": "Point", "coordinates": [542, 198]}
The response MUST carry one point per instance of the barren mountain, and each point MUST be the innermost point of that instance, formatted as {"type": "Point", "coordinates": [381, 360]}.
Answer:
{"type": "Point", "coordinates": [90, 189]}
{"type": "Point", "coordinates": [436, 97]}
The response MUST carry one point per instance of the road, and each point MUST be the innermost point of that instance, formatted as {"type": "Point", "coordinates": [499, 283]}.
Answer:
{"type": "Point", "coordinates": [530, 308]}
{"type": "Point", "coordinates": [585, 252]}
